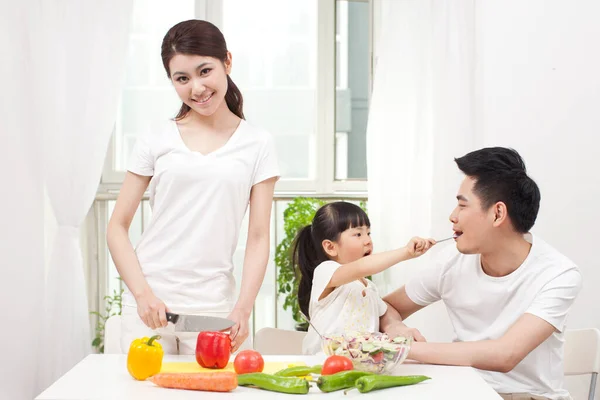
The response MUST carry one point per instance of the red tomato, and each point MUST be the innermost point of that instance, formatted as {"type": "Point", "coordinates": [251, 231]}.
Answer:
{"type": "Point", "coordinates": [377, 357]}
{"type": "Point", "coordinates": [248, 361]}
{"type": "Point", "coordinates": [335, 364]}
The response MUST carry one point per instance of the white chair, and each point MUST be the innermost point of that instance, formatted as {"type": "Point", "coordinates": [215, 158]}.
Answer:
{"type": "Point", "coordinates": [273, 341]}
{"type": "Point", "coordinates": [112, 335]}
{"type": "Point", "coordinates": [582, 355]}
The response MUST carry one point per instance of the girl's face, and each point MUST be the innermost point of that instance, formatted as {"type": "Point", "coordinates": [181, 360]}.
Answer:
{"type": "Point", "coordinates": [200, 82]}
{"type": "Point", "coordinates": [353, 244]}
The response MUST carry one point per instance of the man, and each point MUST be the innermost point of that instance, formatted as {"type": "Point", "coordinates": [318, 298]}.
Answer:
{"type": "Point", "coordinates": [507, 292]}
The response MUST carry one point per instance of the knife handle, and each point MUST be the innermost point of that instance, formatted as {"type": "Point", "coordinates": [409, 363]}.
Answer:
{"type": "Point", "coordinates": [172, 317]}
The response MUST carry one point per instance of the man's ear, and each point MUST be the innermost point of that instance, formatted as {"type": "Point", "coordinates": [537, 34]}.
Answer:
{"type": "Point", "coordinates": [330, 248]}
{"type": "Point", "coordinates": [500, 213]}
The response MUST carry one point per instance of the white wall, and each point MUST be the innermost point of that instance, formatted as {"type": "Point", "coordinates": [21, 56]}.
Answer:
{"type": "Point", "coordinates": [541, 95]}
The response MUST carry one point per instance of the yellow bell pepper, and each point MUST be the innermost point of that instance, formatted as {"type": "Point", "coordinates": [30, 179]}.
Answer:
{"type": "Point", "coordinates": [144, 358]}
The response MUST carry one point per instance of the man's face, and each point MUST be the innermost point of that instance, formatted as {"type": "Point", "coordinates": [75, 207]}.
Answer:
{"type": "Point", "coordinates": [470, 222]}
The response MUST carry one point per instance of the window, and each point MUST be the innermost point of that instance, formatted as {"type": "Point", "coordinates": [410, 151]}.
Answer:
{"type": "Point", "coordinates": [275, 66]}
{"type": "Point", "coordinates": [303, 67]}
{"type": "Point", "coordinates": [352, 83]}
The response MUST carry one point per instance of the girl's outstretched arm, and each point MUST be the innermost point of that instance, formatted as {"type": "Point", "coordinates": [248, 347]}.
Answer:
{"type": "Point", "coordinates": [375, 263]}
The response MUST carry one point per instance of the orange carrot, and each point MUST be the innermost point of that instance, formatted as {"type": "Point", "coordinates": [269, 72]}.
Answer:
{"type": "Point", "coordinates": [208, 381]}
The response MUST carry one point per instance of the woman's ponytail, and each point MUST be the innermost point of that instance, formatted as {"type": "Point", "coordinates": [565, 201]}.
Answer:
{"type": "Point", "coordinates": [234, 99]}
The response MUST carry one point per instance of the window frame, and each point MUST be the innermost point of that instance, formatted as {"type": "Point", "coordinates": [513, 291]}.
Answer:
{"type": "Point", "coordinates": [324, 182]}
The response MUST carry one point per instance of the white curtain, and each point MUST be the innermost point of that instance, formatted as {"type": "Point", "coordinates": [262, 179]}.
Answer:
{"type": "Point", "coordinates": [79, 59]}
{"type": "Point", "coordinates": [21, 202]}
{"type": "Point", "coordinates": [422, 115]}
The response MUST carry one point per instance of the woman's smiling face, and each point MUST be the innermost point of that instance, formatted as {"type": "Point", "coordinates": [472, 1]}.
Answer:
{"type": "Point", "coordinates": [200, 82]}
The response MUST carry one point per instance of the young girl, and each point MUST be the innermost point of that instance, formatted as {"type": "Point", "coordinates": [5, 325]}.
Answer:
{"type": "Point", "coordinates": [202, 170]}
{"type": "Point", "coordinates": [334, 255]}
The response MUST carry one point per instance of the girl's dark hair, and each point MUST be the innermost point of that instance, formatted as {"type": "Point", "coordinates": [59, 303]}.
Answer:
{"type": "Point", "coordinates": [200, 38]}
{"type": "Point", "coordinates": [307, 252]}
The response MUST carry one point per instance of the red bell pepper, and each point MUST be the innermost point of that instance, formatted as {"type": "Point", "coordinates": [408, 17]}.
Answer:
{"type": "Point", "coordinates": [213, 349]}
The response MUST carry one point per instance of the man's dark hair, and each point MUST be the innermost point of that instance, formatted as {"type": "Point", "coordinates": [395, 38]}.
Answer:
{"type": "Point", "coordinates": [500, 175]}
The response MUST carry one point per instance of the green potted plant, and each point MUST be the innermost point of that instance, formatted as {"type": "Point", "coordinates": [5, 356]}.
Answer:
{"type": "Point", "coordinates": [299, 213]}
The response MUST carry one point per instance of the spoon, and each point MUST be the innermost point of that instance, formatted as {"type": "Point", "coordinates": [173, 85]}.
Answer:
{"type": "Point", "coordinates": [310, 323]}
{"type": "Point", "coordinates": [451, 237]}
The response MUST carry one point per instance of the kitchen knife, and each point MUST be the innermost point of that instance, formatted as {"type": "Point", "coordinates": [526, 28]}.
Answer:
{"type": "Point", "coordinates": [198, 323]}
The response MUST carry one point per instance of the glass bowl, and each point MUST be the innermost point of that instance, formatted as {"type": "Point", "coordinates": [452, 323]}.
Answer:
{"type": "Point", "coordinates": [370, 352]}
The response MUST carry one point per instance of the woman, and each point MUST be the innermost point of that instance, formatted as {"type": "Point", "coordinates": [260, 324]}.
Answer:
{"type": "Point", "coordinates": [202, 169]}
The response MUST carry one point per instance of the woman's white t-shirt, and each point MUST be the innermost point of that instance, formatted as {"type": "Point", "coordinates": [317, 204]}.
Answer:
{"type": "Point", "coordinates": [352, 307]}
{"type": "Point", "coordinates": [198, 203]}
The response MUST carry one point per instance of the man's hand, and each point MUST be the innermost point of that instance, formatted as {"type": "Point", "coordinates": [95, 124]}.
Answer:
{"type": "Point", "coordinates": [391, 323]}
{"type": "Point", "coordinates": [400, 329]}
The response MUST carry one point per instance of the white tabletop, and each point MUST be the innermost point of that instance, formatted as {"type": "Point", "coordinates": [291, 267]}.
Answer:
{"type": "Point", "coordinates": [103, 377]}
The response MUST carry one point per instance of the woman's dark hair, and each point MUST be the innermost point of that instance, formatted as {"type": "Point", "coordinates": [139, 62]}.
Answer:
{"type": "Point", "coordinates": [307, 252]}
{"type": "Point", "coordinates": [500, 175]}
{"type": "Point", "coordinates": [200, 38]}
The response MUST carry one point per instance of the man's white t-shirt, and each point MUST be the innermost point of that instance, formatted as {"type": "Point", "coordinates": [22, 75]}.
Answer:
{"type": "Point", "coordinates": [352, 307]}
{"type": "Point", "coordinates": [483, 307]}
{"type": "Point", "coordinates": [198, 203]}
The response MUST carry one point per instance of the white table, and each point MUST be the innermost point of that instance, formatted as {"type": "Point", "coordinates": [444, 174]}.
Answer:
{"type": "Point", "coordinates": [105, 377]}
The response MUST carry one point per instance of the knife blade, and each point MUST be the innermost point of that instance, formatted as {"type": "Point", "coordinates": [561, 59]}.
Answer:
{"type": "Point", "coordinates": [198, 323]}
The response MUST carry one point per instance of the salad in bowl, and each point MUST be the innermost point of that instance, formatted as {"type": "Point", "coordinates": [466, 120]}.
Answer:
{"type": "Point", "coordinates": [370, 352]}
